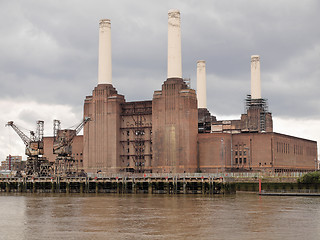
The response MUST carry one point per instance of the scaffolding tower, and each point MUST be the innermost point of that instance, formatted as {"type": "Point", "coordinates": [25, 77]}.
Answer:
{"type": "Point", "coordinates": [260, 104]}
{"type": "Point", "coordinates": [137, 112]}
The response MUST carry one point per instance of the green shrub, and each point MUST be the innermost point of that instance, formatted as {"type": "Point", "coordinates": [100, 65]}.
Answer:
{"type": "Point", "coordinates": [310, 178]}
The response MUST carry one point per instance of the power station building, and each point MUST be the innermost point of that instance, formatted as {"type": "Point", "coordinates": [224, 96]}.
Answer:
{"type": "Point", "coordinates": [174, 132]}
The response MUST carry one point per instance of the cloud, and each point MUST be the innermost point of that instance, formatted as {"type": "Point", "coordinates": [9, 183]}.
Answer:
{"type": "Point", "coordinates": [49, 51]}
{"type": "Point", "coordinates": [303, 128]}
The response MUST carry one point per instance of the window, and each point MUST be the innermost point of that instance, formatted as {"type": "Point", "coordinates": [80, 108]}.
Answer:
{"type": "Point", "coordinates": [128, 133]}
{"type": "Point", "coordinates": [236, 160]}
{"type": "Point", "coordinates": [240, 160]}
{"type": "Point", "coordinates": [245, 160]}
{"type": "Point", "coordinates": [139, 132]}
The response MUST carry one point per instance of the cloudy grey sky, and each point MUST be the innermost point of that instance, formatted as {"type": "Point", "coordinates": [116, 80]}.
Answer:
{"type": "Point", "coordinates": [49, 53]}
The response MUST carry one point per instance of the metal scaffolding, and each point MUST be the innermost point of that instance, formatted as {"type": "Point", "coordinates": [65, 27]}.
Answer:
{"type": "Point", "coordinates": [36, 165]}
{"type": "Point", "coordinates": [137, 112]}
{"type": "Point", "coordinates": [260, 104]}
{"type": "Point", "coordinates": [65, 164]}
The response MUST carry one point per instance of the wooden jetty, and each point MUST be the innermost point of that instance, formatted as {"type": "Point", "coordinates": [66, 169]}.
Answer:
{"type": "Point", "coordinates": [152, 184]}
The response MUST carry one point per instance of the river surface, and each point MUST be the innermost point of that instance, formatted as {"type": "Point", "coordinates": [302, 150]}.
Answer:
{"type": "Point", "coordinates": [143, 216]}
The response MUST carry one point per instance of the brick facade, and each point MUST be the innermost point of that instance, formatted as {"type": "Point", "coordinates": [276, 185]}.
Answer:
{"type": "Point", "coordinates": [77, 149]}
{"type": "Point", "coordinates": [256, 152]}
{"type": "Point", "coordinates": [161, 136]}
{"type": "Point", "coordinates": [102, 134]}
{"type": "Point", "coordinates": [174, 128]}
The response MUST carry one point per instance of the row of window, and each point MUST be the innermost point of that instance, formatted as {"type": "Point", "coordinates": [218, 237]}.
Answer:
{"type": "Point", "coordinates": [240, 160]}
{"type": "Point", "coordinates": [77, 154]}
{"type": "Point", "coordinates": [240, 145]}
{"type": "Point", "coordinates": [240, 153]}
{"type": "Point", "coordinates": [261, 164]}
{"type": "Point", "coordinates": [139, 157]}
{"type": "Point", "coordinates": [138, 149]}
{"type": "Point", "coordinates": [139, 132]}
{"type": "Point", "coordinates": [283, 147]}
{"type": "Point", "coordinates": [298, 150]}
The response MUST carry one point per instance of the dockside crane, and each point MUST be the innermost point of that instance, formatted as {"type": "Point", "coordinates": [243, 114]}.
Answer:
{"type": "Point", "coordinates": [36, 165]}
{"type": "Point", "coordinates": [65, 164]}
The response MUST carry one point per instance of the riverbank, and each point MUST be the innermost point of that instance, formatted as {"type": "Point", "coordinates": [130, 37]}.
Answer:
{"type": "Point", "coordinates": [293, 194]}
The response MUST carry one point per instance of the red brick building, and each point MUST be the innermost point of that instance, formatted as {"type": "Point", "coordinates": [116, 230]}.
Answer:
{"type": "Point", "coordinates": [163, 136]}
{"type": "Point", "coordinates": [169, 134]}
{"type": "Point", "coordinates": [77, 150]}
{"type": "Point", "coordinates": [255, 152]}
{"type": "Point", "coordinates": [174, 128]}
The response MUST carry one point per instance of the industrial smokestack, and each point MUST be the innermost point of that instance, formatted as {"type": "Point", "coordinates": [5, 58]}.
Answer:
{"type": "Point", "coordinates": [174, 45]}
{"type": "Point", "coordinates": [201, 84]}
{"type": "Point", "coordinates": [255, 77]}
{"type": "Point", "coordinates": [105, 67]}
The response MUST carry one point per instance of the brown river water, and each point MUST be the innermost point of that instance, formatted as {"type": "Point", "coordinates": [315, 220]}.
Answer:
{"type": "Point", "coordinates": [143, 216]}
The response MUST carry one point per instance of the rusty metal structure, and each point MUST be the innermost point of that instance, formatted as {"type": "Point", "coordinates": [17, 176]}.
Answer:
{"type": "Point", "coordinates": [65, 164]}
{"type": "Point", "coordinates": [136, 132]}
{"type": "Point", "coordinates": [36, 165]}
{"type": "Point", "coordinates": [260, 105]}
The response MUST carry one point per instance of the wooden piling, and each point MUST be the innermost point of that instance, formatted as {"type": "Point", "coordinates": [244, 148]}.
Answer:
{"type": "Point", "coordinates": [97, 187]}
{"type": "Point", "coordinates": [150, 188]}
{"type": "Point", "coordinates": [34, 190]}
{"type": "Point", "coordinates": [167, 188]}
{"type": "Point", "coordinates": [67, 187]}
{"type": "Point", "coordinates": [184, 187]}
{"type": "Point", "coordinates": [81, 187]}
{"type": "Point", "coordinates": [203, 187]}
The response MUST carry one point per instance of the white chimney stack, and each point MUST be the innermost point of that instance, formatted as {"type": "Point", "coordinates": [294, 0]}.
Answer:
{"type": "Point", "coordinates": [174, 45]}
{"type": "Point", "coordinates": [201, 84]}
{"type": "Point", "coordinates": [105, 67]}
{"type": "Point", "coordinates": [255, 77]}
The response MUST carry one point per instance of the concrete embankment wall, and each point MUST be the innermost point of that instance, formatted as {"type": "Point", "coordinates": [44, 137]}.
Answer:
{"type": "Point", "coordinates": [288, 187]}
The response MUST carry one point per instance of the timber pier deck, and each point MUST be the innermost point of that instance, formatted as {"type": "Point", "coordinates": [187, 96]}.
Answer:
{"type": "Point", "coordinates": [145, 183]}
